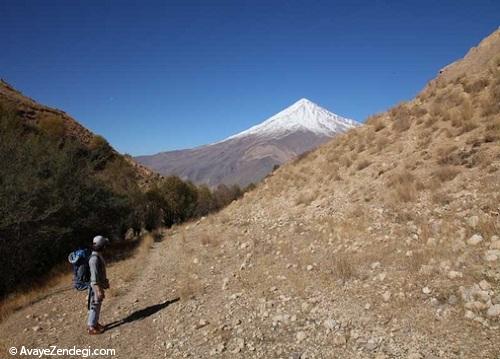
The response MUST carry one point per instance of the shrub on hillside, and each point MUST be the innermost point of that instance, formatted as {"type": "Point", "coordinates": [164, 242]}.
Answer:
{"type": "Point", "coordinates": [401, 118]}
{"type": "Point", "coordinates": [100, 152]}
{"type": "Point", "coordinates": [51, 203]}
{"type": "Point", "coordinates": [53, 126]}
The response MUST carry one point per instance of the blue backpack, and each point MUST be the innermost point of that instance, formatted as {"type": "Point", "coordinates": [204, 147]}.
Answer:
{"type": "Point", "coordinates": [81, 270]}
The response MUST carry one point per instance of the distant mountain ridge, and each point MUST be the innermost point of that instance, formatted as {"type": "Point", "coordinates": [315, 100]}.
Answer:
{"type": "Point", "coordinates": [250, 155]}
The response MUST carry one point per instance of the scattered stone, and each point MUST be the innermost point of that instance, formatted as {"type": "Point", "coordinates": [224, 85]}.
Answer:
{"type": "Point", "coordinates": [386, 296]}
{"type": "Point", "coordinates": [454, 274]}
{"type": "Point", "coordinates": [469, 314]}
{"type": "Point", "coordinates": [330, 324]}
{"type": "Point", "coordinates": [375, 265]}
{"type": "Point", "coordinates": [301, 336]}
{"type": "Point", "coordinates": [426, 290]}
{"type": "Point", "coordinates": [452, 300]}
{"type": "Point", "coordinates": [414, 355]}
{"type": "Point", "coordinates": [494, 311]}
{"type": "Point", "coordinates": [239, 345]}
{"type": "Point", "coordinates": [484, 285]}
{"type": "Point", "coordinates": [372, 344]}
{"type": "Point", "coordinates": [202, 323]}
{"type": "Point", "coordinates": [225, 282]}
{"type": "Point", "coordinates": [36, 328]}
{"type": "Point", "coordinates": [492, 255]}
{"type": "Point", "coordinates": [473, 221]}
{"type": "Point", "coordinates": [309, 267]}
{"type": "Point", "coordinates": [475, 239]}
{"type": "Point", "coordinates": [339, 340]}
{"type": "Point", "coordinates": [219, 348]}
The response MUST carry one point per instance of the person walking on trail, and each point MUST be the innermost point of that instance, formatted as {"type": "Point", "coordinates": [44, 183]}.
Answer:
{"type": "Point", "coordinates": [98, 284]}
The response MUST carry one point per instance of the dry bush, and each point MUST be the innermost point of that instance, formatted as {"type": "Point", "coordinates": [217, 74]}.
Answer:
{"type": "Point", "coordinates": [476, 85]}
{"type": "Point", "coordinates": [404, 187]}
{"type": "Point", "coordinates": [306, 197]}
{"type": "Point", "coordinates": [438, 110]}
{"type": "Point", "coordinates": [401, 118]}
{"type": "Point", "coordinates": [446, 173]}
{"type": "Point", "coordinates": [489, 226]}
{"type": "Point", "coordinates": [441, 198]}
{"type": "Point", "coordinates": [451, 97]}
{"type": "Point", "coordinates": [462, 118]}
{"type": "Point", "coordinates": [424, 139]}
{"type": "Point", "coordinates": [344, 267]}
{"type": "Point", "coordinates": [345, 161]}
{"type": "Point", "coordinates": [445, 155]}
{"type": "Point", "coordinates": [418, 111]}
{"type": "Point", "coordinates": [382, 142]}
{"type": "Point", "coordinates": [431, 120]}
{"type": "Point", "coordinates": [377, 122]}
{"type": "Point", "coordinates": [53, 126]}
{"type": "Point", "coordinates": [492, 130]}
{"type": "Point", "coordinates": [416, 261]}
{"type": "Point", "coordinates": [363, 164]}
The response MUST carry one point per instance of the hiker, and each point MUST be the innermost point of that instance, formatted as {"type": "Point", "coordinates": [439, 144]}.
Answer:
{"type": "Point", "coordinates": [98, 283]}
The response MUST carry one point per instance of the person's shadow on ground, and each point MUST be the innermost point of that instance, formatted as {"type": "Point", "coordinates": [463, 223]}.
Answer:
{"type": "Point", "coordinates": [140, 314]}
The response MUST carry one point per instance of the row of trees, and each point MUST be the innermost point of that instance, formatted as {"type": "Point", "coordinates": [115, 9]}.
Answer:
{"type": "Point", "coordinates": [171, 201]}
{"type": "Point", "coordinates": [56, 194]}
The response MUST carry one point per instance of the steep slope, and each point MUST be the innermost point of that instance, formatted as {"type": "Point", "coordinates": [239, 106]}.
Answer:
{"type": "Point", "coordinates": [63, 127]}
{"type": "Point", "coordinates": [383, 243]}
{"type": "Point", "coordinates": [250, 155]}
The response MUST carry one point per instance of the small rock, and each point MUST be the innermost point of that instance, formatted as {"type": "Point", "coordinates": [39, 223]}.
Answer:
{"type": "Point", "coordinates": [309, 267]}
{"type": "Point", "coordinates": [225, 282]}
{"type": "Point", "coordinates": [339, 340]}
{"type": "Point", "coordinates": [473, 221]}
{"type": "Point", "coordinates": [239, 345]}
{"type": "Point", "coordinates": [372, 344]}
{"type": "Point", "coordinates": [469, 314]}
{"type": "Point", "coordinates": [426, 290]}
{"type": "Point", "coordinates": [220, 348]}
{"type": "Point", "coordinates": [492, 255]}
{"type": "Point", "coordinates": [414, 355]}
{"type": "Point", "coordinates": [454, 274]}
{"type": "Point", "coordinates": [375, 265]}
{"type": "Point", "coordinates": [484, 285]}
{"type": "Point", "coordinates": [494, 311]}
{"type": "Point", "coordinates": [202, 323]}
{"type": "Point", "coordinates": [495, 242]}
{"type": "Point", "coordinates": [386, 296]}
{"type": "Point", "coordinates": [301, 336]}
{"type": "Point", "coordinates": [330, 324]}
{"type": "Point", "coordinates": [36, 328]}
{"type": "Point", "coordinates": [475, 239]}
{"type": "Point", "coordinates": [452, 300]}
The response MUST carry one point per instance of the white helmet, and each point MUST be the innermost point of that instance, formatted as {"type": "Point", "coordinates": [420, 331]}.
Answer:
{"type": "Point", "coordinates": [99, 242]}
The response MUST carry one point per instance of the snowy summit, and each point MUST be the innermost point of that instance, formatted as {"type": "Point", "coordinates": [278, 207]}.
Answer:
{"type": "Point", "coordinates": [303, 115]}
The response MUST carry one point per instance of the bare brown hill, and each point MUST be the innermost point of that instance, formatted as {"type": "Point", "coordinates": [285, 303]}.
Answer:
{"type": "Point", "coordinates": [383, 243]}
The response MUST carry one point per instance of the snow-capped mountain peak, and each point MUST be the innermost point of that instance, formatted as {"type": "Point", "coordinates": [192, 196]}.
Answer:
{"type": "Point", "coordinates": [303, 115]}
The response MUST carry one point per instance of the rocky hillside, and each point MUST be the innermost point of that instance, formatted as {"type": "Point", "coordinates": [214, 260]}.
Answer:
{"type": "Point", "coordinates": [383, 243]}
{"type": "Point", "coordinates": [249, 156]}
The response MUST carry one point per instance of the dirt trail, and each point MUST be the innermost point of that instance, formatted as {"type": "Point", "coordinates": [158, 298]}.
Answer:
{"type": "Point", "coordinates": [60, 318]}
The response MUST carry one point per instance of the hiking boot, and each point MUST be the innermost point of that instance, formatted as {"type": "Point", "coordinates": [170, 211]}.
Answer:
{"type": "Point", "coordinates": [95, 330]}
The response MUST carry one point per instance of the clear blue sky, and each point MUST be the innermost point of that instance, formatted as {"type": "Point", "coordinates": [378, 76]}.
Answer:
{"type": "Point", "coordinates": [164, 75]}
